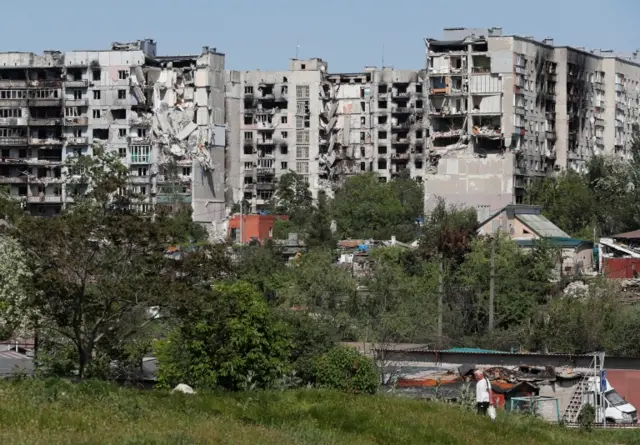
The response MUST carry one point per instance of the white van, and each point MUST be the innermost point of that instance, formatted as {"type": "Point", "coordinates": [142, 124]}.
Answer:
{"type": "Point", "coordinates": [616, 408]}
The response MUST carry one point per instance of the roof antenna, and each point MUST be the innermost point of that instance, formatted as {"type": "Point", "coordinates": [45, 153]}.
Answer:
{"type": "Point", "coordinates": [383, 56]}
{"type": "Point", "coordinates": [298, 49]}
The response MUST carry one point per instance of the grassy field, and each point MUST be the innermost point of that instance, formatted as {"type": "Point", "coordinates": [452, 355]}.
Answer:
{"type": "Point", "coordinates": [53, 412]}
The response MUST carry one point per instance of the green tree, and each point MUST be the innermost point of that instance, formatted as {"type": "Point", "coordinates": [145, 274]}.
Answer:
{"type": "Point", "coordinates": [264, 267]}
{"type": "Point", "coordinates": [319, 233]}
{"type": "Point", "coordinates": [568, 201]}
{"type": "Point", "coordinates": [97, 268]}
{"type": "Point", "coordinates": [225, 338]}
{"type": "Point", "coordinates": [293, 198]}
{"type": "Point", "coordinates": [15, 289]}
{"type": "Point", "coordinates": [522, 284]}
{"type": "Point", "coordinates": [317, 282]}
{"type": "Point", "coordinates": [311, 337]}
{"type": "Point", "coordinates": [366, 208]}
{"type": "Point", "coordinates": [448, 232]}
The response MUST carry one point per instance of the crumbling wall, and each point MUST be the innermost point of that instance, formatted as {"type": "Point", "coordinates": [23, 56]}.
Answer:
{"type": "Point", "coordinates": [468, 180]}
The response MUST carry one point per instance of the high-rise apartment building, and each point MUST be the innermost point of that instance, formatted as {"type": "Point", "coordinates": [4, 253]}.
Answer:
{"type": "Point", "coordinates": [507, 109]}
{"type": "Point", "coordinates": [164, 116]}
{"type": "Point", "coordinates": [323, 126]}
{"type": "Point", "coordinates": [487, 115]}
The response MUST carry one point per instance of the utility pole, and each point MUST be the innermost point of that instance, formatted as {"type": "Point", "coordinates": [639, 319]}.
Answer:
{"type": "Point", "coordinates": [440, 296]}
{"type": "Point", "coordinates": [492, 276]}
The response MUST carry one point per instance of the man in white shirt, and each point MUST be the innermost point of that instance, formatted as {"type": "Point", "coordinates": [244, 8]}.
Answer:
{"type": "Point", "coordinates": [483, 393]}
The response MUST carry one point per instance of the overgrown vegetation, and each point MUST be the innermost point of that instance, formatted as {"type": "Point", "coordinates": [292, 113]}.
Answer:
{"type": "Point", "coordinates": [97, 287]}
{"type": "Point", "coordinates": [52, 412]}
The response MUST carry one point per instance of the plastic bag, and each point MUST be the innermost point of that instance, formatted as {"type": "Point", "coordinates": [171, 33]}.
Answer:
{"type": "Point", "coordinates": [491, 411]}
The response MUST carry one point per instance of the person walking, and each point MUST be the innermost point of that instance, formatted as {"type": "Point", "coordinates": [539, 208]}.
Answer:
{"type": "Point", "coordinates": [484, 395]}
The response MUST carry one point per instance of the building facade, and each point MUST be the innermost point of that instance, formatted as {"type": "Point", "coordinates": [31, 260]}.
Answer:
{"type": "Point", "coordinates": [324, 126]}
{"type": "Point", "coordinates": [505, 110]}
{"type": "Point", "coordinates": [164, 116]}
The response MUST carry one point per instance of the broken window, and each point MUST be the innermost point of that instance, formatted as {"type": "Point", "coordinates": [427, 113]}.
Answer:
{"type": "Point", "coordinates": [382, 89]}
{"type": "Point", "coordinates": [96, 94]}
{"type": "Point", "coordinates": [382, 104]}
{"type": "Point", "coordinates": [284, 149]}
{"type": "Point", "coordinates": [363, 166]}
{"type": "Point", "coordinates": [382, 134]}
{"type": "Point", "coordinates": [363, 120]}
{"type": "Point", "coordinates": [418, 88]}
{"type": "Point", "coordinates": [248, 120]}
{"type": "Point", "coordinates": [71, 112]}
{"type": "Point", "coordinates": [95, 74]}
{"type": "Point", "coordinates": [122, 132]}
{"type": "Point", "coordinates": [119, 114]}
{"type": "Point", "coordinates": [248, 150]}
{"type": "Point", "coordinates": [363, 136]}
{"type": "Point", "coordinates": [283, 119]}
{"type": "Point", "coordinates": [248, 135]}
{"type": "Point", "coordinates": [284, 134]}
{"type": "Point", "coordinates": [382, 179]}
{"type": "Point", "coordinates": [283, 165]}
{"type": "Point", "coordinates": [382, 149]}
{"type": "Point", "coordinates": [186, 171]}
{"type": "Point", "coordinates": [122, 94]}
{"type": "Point", "coordinates": [248, 90]}
{"type": "Point", "coordinates": [97, 114]}
{"type": "Point", "coordinates": [382, 164]}
{"type": "Point", "coordinates": [122, 152]}
{"type": "Point", "coordinates": [123, 74]}
{"type": "Point", "coordinates": [418, 163]}
{"type": "Point", "coordinates": [101, 133]}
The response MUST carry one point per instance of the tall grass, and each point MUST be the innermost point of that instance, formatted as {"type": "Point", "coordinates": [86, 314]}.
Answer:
{"type": "Point", "coordinates": [54, 412]}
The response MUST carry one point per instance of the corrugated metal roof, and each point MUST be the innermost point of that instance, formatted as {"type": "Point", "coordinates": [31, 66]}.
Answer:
{"type": "Point", "coordinates": [542, 226]}
{"type": "Point", "coordinates": [628, 235]}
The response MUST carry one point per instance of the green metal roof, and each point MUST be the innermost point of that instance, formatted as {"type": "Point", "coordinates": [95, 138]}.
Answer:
{"type": "Point", "coordinates": [557, 241]}
{"type": "Point", "coordinates": [474, 351]}
{"type": "Point", "coordinates": [542, 226]}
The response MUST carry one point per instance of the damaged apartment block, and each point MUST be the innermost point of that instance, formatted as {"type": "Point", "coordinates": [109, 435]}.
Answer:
{"type": "Point", "coordinates": [487, 92]}
{"type": "Point", "coordinates": [163, 115]}
{"type": "Point", "coordinates": [324, 126]}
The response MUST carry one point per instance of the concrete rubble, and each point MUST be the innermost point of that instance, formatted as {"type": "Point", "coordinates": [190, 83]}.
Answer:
{"type": "Point", "coordinates": [173, 125]}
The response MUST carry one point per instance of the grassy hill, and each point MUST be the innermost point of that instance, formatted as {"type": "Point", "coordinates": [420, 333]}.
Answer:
{"type": "Point", "coordinates": [53, 412]}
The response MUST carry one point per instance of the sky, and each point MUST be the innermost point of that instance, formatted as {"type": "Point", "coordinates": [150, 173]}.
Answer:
{"type": "Point", "coordinates": [348, 34]}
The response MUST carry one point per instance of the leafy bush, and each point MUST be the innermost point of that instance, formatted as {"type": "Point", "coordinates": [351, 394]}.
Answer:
{"type": "Point", "coordinates": [346, 369]}
{"type": "Point", "coordinates": [587, 417]}
{"type": "Point", "coordinates": [311, 338]}
{"type": "Point", "coordinates": [224, 340]}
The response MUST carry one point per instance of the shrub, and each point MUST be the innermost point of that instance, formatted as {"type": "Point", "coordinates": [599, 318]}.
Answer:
{"type": "Point", "coordinates": [346, 369]}
{"type": "Point", "coordinates": [311, 338]}
{"type": "Point", "coordinates": [228, 338]}
{"type": "Point", "coordinates": [587, 417]}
